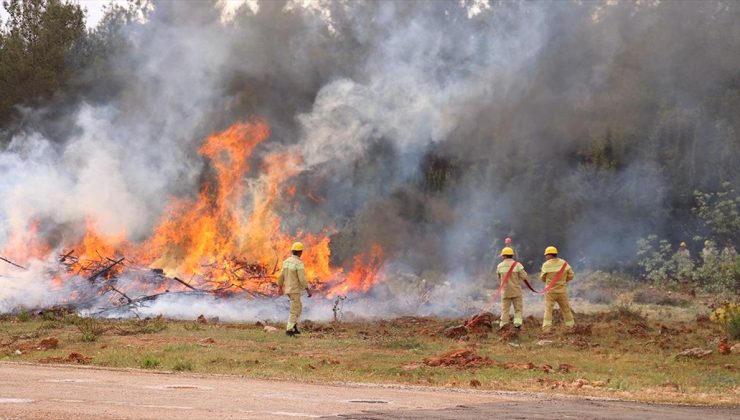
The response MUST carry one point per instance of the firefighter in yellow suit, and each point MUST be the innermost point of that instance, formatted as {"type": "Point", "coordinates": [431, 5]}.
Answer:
{"type": "Point", "coordinates": [512, 293]}
{"type": "Point", "coordinates": [292, 282]}
{"type": "Point", "coordinates": [558, 293]}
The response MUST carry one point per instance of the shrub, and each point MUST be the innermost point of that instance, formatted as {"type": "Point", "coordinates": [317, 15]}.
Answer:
{"type": "Point", "coordinates": [728, 316]}
{"type": "Point", "coordinates": [23, 316]}
{"type": "Point", "coordinates": [655, 259]}
{"type": "Point", "coordinates": [733, 327]}
{"type": "Point", "coordinates": [623, 311]}
{"type": "Point", "coordinates": [90, 328]}
{"type": "Point", "coordinates": [182, 366]}
{"type": "Point", "coordinates": [150, 362]}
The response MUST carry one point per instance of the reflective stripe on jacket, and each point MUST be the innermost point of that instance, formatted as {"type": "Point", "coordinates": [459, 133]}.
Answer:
{"type": "Point", "coordinates": [293, 276]}
{"type": "Point", "coordinates": [550, 269]}
{"type": "Point", "coordinates": [514, 286]}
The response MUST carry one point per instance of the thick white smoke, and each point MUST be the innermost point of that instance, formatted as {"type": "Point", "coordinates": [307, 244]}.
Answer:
{"type": "Point", "coordinates": [500, 101]}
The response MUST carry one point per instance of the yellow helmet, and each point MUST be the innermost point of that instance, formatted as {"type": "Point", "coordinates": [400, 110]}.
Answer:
{"type": "Point", "coordinates": [297, 246]}
{"type": "Point", "coordinates": [507, 252]}
{"type": "Point", "coordinates": [551, 250]}
{"type": "Point", "coordinates": [683, 244]}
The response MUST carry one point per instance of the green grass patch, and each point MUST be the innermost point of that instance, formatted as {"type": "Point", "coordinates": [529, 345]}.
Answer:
{"type": "Point", "coordinates": [150, 362]}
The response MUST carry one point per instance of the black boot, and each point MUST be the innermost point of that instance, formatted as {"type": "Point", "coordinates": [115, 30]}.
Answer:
{"type": "Point", "coordinates": [295, 330]}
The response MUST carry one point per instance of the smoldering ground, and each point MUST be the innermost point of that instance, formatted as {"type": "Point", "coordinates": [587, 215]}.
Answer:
{"type": "Point", "coordinates": [432, 129]}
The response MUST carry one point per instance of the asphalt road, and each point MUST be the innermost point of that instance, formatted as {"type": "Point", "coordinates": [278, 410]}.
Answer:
{"type": "Point", "coordinates": [55, 392]}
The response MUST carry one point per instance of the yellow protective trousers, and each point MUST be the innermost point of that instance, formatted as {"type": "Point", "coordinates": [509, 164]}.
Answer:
{"type": "Point", "coordinates": [506, 304]}
{"type": "Point", "coordinates": [562, 300]}
{"type": "Point", "coordinates": [296, 307]}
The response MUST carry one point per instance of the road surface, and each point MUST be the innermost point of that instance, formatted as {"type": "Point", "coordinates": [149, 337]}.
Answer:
{"type": "Point", "coordinates": [61, 392]}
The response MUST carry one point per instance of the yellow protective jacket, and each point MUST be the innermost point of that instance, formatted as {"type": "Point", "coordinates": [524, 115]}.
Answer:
{"type": "Point", "coordinates": [514, 286]}
{"type": "Point", "coordinates": [293, 276]}
{"type": "Point", "coordinates": [550, 269]}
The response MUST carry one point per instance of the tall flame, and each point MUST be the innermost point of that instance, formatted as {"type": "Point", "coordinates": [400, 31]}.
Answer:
{"type": "Point", "coordinates": [231, 226]}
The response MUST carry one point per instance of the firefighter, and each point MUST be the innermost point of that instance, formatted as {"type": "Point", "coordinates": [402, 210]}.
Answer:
{"type": "Point", "coordinates": [684, 263]}
{"type": "Point", "coordinates": [292, 282]}
{"type": "Point", "coordinates": [512, 293]}
{"type": "Point", "coordinates": [709, 254]}
{"type": "Point", "coordinates": [556, 292]}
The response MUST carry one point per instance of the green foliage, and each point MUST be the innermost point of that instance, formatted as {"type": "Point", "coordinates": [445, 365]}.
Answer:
{"type": "Point", "coordinates": [717, 270]}
{"type": "Point", "coordinates": [23, 316]}
{"type": "Point", "coordinates": [719, 274]}
{"type": "Point", "coordinates": [728, 316]}
{"type": "Point", "coordinates": [655, 259]}
{"type": "Point", "coordinates": [720, 212]}
{"type": "Point", "coordinates": [733, 327]}
{"type": "Point", "coordinates": [150, 362]}
{"type": "Point", "coordinates": [49, 316]}
{"type": "Point", "coordinates": [36, 46]}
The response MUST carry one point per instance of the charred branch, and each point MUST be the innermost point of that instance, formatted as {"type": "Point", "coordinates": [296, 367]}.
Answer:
{"type": "Point", "coordinates": [105, 270]}
{"type": "Point", "coordinates": [13, 264]}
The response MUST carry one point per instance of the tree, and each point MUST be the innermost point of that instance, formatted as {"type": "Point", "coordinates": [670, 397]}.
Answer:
{"type": "Point", "coordinates": [36, 44]}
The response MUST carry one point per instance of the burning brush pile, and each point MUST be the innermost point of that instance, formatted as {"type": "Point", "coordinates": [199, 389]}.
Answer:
{"type": "Point", "coordinates": [227, 241]}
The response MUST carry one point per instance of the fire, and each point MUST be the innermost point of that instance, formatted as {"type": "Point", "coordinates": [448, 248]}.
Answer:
{"type": "Point", "coordinates": [230, 233]}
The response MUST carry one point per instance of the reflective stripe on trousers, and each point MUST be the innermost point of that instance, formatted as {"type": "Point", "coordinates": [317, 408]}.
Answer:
{"type": "Point", "coordinates": [506, 303]}
{"type": "Point", "coordinates": [562, 300]}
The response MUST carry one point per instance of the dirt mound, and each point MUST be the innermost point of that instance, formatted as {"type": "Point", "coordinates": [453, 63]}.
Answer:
{"type": "Point", "coordinates": [479, 324]}
{"type": "Point", "coordinates": [72, 358]}
{"type": "Point", "coordinates": [461, 359]}
{"type": "Point", "coordinates": [45, 344]}
{"type": "Point", "coordinates": [724, 347]}
{"type": "Point", "coordinates": [455, 332]}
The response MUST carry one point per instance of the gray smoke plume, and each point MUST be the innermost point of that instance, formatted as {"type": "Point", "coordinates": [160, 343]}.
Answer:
{"type": "Point", "coordinates": [433, 129]}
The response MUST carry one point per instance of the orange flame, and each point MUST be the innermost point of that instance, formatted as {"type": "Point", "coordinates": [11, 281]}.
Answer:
{"type": "Point", "coordinates": [213, 237]}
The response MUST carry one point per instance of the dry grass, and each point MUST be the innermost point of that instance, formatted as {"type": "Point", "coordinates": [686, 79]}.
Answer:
{"type": "Point", "coordinates": [621, 355]}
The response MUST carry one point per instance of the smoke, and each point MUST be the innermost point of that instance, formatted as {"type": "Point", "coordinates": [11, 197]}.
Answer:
{"type": "Point", "coordinates": [433, 129]}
